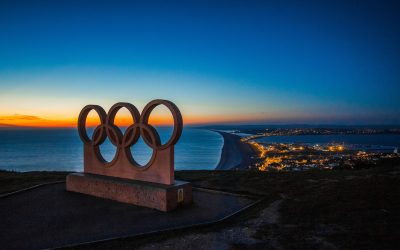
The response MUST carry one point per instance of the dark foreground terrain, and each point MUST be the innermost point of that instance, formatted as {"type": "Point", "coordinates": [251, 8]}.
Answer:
{"type": "Point", "coordinates": [340, 209]}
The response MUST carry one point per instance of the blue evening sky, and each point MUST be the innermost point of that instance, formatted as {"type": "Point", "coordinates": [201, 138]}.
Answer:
{"type": "Point", "coordinates": [220, 61]}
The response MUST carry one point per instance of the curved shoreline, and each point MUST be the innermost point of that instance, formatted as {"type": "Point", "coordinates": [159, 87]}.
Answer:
{"type": "Point", "coordinates": [234, 153]}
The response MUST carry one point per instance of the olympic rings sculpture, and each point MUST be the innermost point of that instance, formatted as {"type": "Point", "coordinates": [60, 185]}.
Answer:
{"type": "Point", "coordinates": [140, 127]}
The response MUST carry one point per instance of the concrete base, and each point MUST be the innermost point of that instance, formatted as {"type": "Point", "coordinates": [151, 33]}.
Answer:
{"type": "Point", "coordinates": [153, 195]}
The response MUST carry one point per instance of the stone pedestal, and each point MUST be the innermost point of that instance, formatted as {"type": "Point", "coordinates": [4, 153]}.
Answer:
{"type": "Point", "coordinates": [153, 195]}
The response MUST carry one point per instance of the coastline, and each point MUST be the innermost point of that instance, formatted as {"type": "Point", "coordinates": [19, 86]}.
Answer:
{"type": "Point", "coordinates": [234, 153]}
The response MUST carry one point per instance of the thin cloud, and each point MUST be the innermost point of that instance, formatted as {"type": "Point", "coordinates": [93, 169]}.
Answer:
{"type": "Point", "coordinates": [21, 117]}
{"type": "Point", "coordinates": [20, 120]}
{"type": "Point", "coordinates": [6, 125]}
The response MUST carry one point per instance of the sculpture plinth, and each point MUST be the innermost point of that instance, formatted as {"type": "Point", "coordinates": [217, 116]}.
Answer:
{"type": "Point", "coordinates": [154, 195]}
{"type": "Point", "coordinates": [123, 179]}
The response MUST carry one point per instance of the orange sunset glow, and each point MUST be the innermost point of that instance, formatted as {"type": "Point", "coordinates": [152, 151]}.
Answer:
{"type": "Point", "coordinates": [92, 121]}
{"type": "Point", "coordinates": [47, 117]}
{"type": "Point", "coordinates": [159, 117]}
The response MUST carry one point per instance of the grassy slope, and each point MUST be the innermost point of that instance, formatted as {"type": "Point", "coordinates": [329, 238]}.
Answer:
{"type": "Point", "coordinates": [350, 209]}
{"type": "Point", "coordinates": [12, 181]}
{"type": "Point", "coordinates": [344, 209]}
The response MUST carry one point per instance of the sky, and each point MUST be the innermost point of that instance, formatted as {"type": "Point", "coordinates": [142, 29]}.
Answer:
{"type": "Point", "coordinates": [220, 62]}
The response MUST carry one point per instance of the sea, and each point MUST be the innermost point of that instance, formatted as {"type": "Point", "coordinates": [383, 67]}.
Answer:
{"type": "Point", "coordinates": [62, 150]}
{"type": "Point", "coordinates": [198, 149]}
{"type": "Point", "coordinates": [376, 142]}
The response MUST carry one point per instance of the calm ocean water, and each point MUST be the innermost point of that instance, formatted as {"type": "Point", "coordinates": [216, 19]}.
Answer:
{"type": "Point", "coordinates": [388, 141]}
{"type": "Point", "coordinates": [61, 149]}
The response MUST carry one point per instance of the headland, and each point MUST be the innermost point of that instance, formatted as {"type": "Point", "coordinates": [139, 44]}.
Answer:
{"type": "Point", "coordinates": [234, 154]}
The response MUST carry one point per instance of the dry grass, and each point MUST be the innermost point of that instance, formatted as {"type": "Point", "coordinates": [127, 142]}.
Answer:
{"type": "Point", "coordinates": [12, 181]}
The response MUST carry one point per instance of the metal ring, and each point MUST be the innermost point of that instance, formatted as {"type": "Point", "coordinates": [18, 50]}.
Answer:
{"type": "Point", "coordinates": [101, 135]}
{"type": "Point", "coordinates": [151, 135]}
{"type": "Point", "coordinates": [117, 133]}
{"type": "Point", "coordinates": [176, 114]}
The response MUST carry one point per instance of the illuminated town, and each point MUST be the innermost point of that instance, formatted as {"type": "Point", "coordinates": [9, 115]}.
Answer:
{"type": "Point", "coordinates": [307, 156]}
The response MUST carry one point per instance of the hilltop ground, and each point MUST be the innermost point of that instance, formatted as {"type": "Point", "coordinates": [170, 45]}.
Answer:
{"type": "Point", "coordinates": [339, 209]}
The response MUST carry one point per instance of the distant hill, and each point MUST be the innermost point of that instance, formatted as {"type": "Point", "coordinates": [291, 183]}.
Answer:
{"type": "Point", "coordinates": [288, 126]}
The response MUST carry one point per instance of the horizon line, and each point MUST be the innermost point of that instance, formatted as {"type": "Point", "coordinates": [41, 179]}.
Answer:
{"type": "Point", "coordinates": [205, 125]}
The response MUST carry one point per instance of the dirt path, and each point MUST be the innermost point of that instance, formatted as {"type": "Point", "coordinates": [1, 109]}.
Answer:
{"type": "Point", "coordinates": [232, 237]}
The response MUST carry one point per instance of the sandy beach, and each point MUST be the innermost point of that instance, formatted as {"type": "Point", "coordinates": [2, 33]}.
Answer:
{"type": "Point", "coordinates": [235, 154]}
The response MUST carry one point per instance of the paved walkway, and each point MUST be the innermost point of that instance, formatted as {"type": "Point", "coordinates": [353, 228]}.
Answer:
{"type": "Point", "coordinates": [49, 216]}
